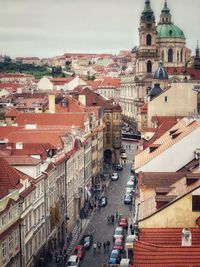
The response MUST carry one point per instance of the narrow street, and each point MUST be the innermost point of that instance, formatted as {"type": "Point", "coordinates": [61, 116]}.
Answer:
{"type": "Point", "coordinates": [98, 226]}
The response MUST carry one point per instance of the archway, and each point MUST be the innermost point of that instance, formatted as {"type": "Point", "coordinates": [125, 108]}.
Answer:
{"type": "Point", "coordinates": [108, 156]}
{"type": "Point", "coordinates": [170, 55]}
{"type": "Point", "coordinates": [148, 39]}
{"type": "Point", "coordinates": [149, 67]}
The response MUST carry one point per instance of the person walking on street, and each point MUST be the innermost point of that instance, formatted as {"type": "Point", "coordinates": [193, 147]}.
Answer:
{"type": "Point", "coordinates": [116, 215]}
{"type": "Point", "coordinates": [104, 247]}
{"type": "Point", "coordinates": [126, 229]}
{"type": "Point", "coordinates": [131, 228]}
{"type": "Point", "coordinates": [94, 247]}
{"type": "Point", "coordinates": [108, 245]}
{"type": "Point", "coordinates": [99, 246]}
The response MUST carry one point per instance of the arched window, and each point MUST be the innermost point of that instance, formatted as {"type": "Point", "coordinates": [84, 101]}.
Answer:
{"type": "Point", "coordinates": [149, 67]}
{"type": "Point", "coordinates": [181, 55]}
{"type": "Point", "coordinates": [148, 39]}
{"type": "Point", "coordinates": [177, 56]}
{"type": "Point", "coordinates": [162, 55]}
{"type": "Point", "coordinates": [170, 55]}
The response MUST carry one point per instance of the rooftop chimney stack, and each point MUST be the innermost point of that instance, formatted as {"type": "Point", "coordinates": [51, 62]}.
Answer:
{"type": "Point", "coordinates": [186, 237]}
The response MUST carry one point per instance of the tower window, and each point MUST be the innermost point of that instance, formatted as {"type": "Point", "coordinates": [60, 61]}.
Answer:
{"type": "Point", "coordinates": [149, 67]}
{"type": "Point", "coordinates": [148, 39]}
{"type": "Point", "coordinates": [170, 55]}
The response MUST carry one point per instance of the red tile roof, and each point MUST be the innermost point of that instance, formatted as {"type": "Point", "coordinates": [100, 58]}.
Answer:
{"type": "Point", "coordinates": [194, 73]}
{"type": "Point", "coordinates": [22, 160]}
{"type": "Point", "coordinates": [159, 179]}
{"type": "Point", "coordinates": [149, 255]}
{"type": "Point", "coordinates": [12, 113]}
{"type": "Point", "coordinates": [53, 119]}
{"type": "Point", "coordinates": [9, 178]}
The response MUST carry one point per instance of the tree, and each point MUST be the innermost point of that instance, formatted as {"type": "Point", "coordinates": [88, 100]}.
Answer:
{"type": "Point", "coordinates": [7, 59]}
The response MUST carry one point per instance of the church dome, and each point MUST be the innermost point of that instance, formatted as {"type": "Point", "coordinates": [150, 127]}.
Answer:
{"type": "Point", "coordinates": [156, 90]}
{"type": "Point", "coordinates": [160, 73]}
{"type": "Point", "coordinates": [169, 31]}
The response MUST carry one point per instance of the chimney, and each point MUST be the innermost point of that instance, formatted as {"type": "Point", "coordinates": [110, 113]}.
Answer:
{"type": "Point", "coordinates": [19, 145]}
{"type": "Point", "coordinates": [186, 237]}
{"type": "Point", "coordinates": [82, 99]}
{"type": "Point", "coordinates": [52, 106]}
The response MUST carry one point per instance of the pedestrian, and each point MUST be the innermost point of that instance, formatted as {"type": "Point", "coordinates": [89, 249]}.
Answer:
{"type": "Point", "coordinates": [99, 246]}
{"type": "Point", "coordinates": [108, 245]}
{"type": "Point", "coordinates": [126, 228]}
{"type": "Point", "coordinates": [131, 228]}
{"type": "Point", "coordinates": [104, 247]}
{"type": "Point", "coordinates": [94, 247]}
{"type": "Point", "coordinates": [116, 215]}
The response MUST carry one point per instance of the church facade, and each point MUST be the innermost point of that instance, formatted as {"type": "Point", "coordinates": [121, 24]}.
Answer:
{"type": "Point", "coordinates": [164, 42]}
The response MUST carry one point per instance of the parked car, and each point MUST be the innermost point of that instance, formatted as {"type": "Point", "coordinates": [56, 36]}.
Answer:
{"type": "Point", "coordinates": [118, 244]}
{"type": "Point", "coordinates": [114, 176]}
{"type": "Point", "coordinates": [119, 167]}
{"type": "Point", "coordinates": [73, 261]}
{"type": "Point", "coordinates": [103, 201]}
{"type": "Point", "coordinates": [129, 191]}
{"type": "Point", "coordinates": [123, 222]}
{"type": "Point", "coordinates": [79, 251]}
{"type": "Point", "coordinates": [128, 198]}
{"type": "Point", "coordinates": [130, 184]}
{"type": "Point", "coordinates": [87, 241]}
{"type": "Point", "coordinates": [118, 233]}
{"type": "Point", "coordinates": [122, 150]}
{"type": "Point", "coordinates": [123, 156]}
{"type": "Point", "coordinates": [132, 178]}
{"type": "Point", "coordinates": [115, 257]}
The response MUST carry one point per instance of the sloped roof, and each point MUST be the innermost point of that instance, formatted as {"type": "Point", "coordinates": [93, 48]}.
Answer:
{"type": "Point", "coordinates": [167, 236]}
{"type": "Point", "coordinates": [149, 255]}
{"type": "Point", "coordinates": [159, 179]}
{"type": "Point", "coordinates": [9, 178]}
{"type": "Point", "coordinates": [56, 119]}
{"type": "Point", "coordinates": [165, 141]}
{"type": "Point", "coordinates": [12, 113]}
{"type": "Point", "coordinates": [22, 160]}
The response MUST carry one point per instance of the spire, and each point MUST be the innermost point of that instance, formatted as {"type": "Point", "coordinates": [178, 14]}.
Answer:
{"type": "Point", "coordinates": [197, 50]}
{"type": "Point", "coordinates": [147, 14]}
{"type": "Point", "coordinates": [165, 17]}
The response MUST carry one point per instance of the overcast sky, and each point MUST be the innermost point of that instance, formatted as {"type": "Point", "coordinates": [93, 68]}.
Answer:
{"type": "Point", "coordinates": [46, 28]}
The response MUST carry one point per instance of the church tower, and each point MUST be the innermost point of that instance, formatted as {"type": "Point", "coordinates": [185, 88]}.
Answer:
{"type": "Point", "coordinates": [197, 58]}
{"type": "Point", "coordinates": [147, 55]}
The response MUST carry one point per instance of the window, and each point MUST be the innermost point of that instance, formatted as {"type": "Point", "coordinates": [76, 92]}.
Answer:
{"type": "Point", "coordinates": [149, 67]}
{"type": "Point", "coordinates": [181, 55]}
{"type": "Point", "coordinates": [148, 39]}
{"type": "Point", "coordinates": [170, 55]}
{"type": "Point", "coordinates": [166, 99]}
{"type": "Point", "coordinates": [107, 139]}
{"type": "Point", "coordinates": [108, 127]}
{"type": "Point", "coordinates": [177, 56]}
{"type": "Point", "coordinates": [195, 203]}
{"type": "Point", "coordinates": [162, 56]}
{"type": "Point", "coordinates": [4, 248]}
{"type": "Point", "coordinates": [4, 220]}
{"type": "Point", "coordinates": [10, 242]}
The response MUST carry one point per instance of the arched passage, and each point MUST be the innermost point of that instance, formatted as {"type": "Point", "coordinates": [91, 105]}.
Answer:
{"type": "Point", "coordinates": [108, 156]}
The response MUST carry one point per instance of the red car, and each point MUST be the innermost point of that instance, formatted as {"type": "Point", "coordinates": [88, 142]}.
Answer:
{"type": "Point", "coordinates": [118, 244]}
{"type": "Point", "coordinates": [79, 251]}
{"type": "Point", "coordinates": [123, 222]}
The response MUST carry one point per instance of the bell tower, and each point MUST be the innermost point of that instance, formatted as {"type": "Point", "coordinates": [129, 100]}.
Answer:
{"type": "Point", "coordinates": [147, 55]}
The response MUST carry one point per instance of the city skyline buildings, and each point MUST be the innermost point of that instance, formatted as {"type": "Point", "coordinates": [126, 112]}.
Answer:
{"type": "Point", "coordinates": [50, 28]}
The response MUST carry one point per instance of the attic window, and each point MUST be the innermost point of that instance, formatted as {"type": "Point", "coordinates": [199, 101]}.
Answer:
{"type": "Point", "coordinates": [153, 147]}
{"type": "Point", "coordinates": [173, 136]}
{"type": "Point", "coordinates": [173, 131]}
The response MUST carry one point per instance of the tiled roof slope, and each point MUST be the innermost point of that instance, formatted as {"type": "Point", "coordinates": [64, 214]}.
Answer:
{"type": "Point", "coordinates": [9, 178]}
{"type": "Point", "coordinates": [12, 113]}
{"type": "Point", "coordinates": [167, 236]}
{"type": "Point", "coordinates": [165, 141]}
{"type": "Point", "coordinates": [159, 179]}
{"type": "Point", "coordinates": [73, 118]}
{"type": "Point", "coordinates": [148, 255]}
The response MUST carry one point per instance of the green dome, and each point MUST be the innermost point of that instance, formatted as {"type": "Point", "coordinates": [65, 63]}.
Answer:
{"type": "Point", "coordinates": [169, 31]}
